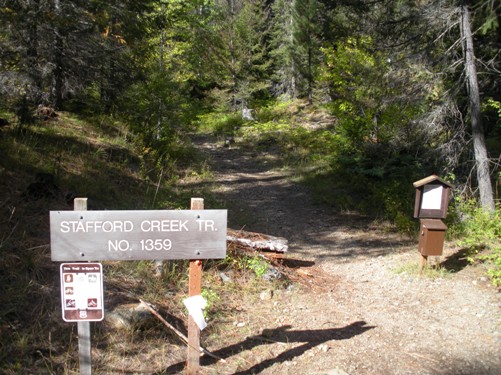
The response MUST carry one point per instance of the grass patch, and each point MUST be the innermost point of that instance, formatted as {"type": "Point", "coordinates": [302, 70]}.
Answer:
{"type": "Point", "coordinates": [430, 271]}
{"type": "Point", "coordinates": [219, 124]}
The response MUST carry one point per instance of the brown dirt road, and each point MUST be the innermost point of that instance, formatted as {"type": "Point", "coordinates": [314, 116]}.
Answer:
{"type": "Point", "coordinates": [358, 315]}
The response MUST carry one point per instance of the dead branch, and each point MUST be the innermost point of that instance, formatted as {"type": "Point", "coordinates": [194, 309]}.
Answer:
{"type": "Point", "coordinates": [176, 331]}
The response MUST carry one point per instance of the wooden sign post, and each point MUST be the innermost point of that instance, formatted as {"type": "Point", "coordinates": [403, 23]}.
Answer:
{"type": "Point", "coordinates": [195, 288]}
{"type": "Point", "coordinates": [84, 349]}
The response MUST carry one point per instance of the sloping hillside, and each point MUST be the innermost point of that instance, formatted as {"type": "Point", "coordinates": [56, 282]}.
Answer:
{"type": "Point", "coordinates": [43, 167]}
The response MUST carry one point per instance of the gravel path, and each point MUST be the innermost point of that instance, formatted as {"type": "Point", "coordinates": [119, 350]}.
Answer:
{"type": "Point", "coordinates": [366, 318]}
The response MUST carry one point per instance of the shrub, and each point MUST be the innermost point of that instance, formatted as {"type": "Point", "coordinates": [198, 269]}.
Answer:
{"type": "Point", "coordinates": [480, 235]}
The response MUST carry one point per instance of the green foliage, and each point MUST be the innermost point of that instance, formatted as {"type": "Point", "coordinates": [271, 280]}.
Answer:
{"type": "Point", "coordinates": [256, 264]}
{"type": "Point", "coordinates": [480, 234]}
{"type": "Point", "coordinates": [366, 102]}
{"type": "Point", "coordinates": [494, 105]}
{"type": "Point", "coordinates": [219, 124]}
{"type": "Point", "coordinates": [381, 149]}
{"type": "Point", "coordinates": [494, 260]}
{"type": "Point", "coordinates": [212, 298]}
{"type": "Point", "coordinates": [244, 262]}
{"type": "Point", "coordinates": [491, 111]}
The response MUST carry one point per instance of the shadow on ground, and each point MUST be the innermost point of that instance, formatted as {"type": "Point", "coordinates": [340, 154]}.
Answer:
{"type": "Point", "coordinates": [308, 339]}
{"type": "Point", "coordinates": [457, 261]}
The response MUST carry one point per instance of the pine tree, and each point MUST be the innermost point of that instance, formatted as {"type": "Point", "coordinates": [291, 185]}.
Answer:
{"type": "Point", "coordinates": [282, 49]}
{"type": "Point", "coordinates": [253, 77]}
{"type": "Point", "coordinates": [296, 36]}
{"type": "Point", "coordinates": [306, 39]}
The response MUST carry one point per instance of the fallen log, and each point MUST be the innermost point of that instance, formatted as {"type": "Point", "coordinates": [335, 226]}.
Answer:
{"type": "Point", "coordinates": [273, 249]}
{"type": "Point", "coordinates": [258, 241]}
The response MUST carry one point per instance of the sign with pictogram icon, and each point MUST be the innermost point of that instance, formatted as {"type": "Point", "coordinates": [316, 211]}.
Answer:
{"type": "Point", "coordinates": [82, 292]}
{"type": "Point", "coordinates": [82, 235]}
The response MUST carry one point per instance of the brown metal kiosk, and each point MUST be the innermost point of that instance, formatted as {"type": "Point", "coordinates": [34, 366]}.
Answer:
{"type": "Point", "coordinates": [432, 200]}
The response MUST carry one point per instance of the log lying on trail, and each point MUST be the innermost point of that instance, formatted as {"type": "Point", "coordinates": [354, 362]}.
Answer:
{"type": "Point", "coordinates": [273, 249]}
{"type": "Point", "coordinates": [258, 241]}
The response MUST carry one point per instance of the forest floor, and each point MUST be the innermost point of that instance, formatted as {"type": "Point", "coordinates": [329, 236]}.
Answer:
{"type": "Point", "coordinates": [356, 304]}
{"type": "Point", "coordinates": [361, 307]}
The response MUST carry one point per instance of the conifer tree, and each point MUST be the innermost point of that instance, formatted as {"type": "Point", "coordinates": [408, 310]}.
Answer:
{"type": "Point", "coordinates": [282, 49]}
{"type": "Point", "coordinates": [306, 34]}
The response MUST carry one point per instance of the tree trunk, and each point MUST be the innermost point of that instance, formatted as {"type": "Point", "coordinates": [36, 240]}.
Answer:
{"type": "Point", "coordinates": [292, 89]}
{"type": "Point", "coordinates": [480, 151]}
{"type": "Point", "coordinates": [233, 61]}
{"type": "Point", "coordinates": [34, 70]}
{"type": "Point", "coordinates": [160, 110]}
{"type": "Point", "coordinates": [57, 88]}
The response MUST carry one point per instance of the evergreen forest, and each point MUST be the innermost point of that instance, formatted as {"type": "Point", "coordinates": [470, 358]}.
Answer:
{"type": "Point", "coordinates": [411, 87]}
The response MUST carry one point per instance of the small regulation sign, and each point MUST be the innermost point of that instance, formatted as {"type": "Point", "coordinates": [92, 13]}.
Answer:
{"type": "Point", "coordinates": [82, 292]}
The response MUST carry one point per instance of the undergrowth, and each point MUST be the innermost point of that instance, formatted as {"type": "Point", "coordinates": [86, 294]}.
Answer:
{"type": "Point", "coordinates": [414, 268]}
{"type": "Point", "coordinates": [371, 178]}
{"type": "Point", "coordinates": [479, 234]}
{"type": "Point", "coordinates": [98, 158]}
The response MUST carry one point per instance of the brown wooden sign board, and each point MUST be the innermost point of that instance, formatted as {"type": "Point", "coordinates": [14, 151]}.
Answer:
{"type": "Point", "coordinates": [138, 235]}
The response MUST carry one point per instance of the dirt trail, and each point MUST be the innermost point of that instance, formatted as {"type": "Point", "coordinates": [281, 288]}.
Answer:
{"type": "Point", "coordinates": [366, 318]}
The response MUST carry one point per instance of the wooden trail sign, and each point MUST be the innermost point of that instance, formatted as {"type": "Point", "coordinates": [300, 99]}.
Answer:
{"type": "Point", "coordinates": [138, 235]}
{"type": "Point", "coordinates": [194, 234]}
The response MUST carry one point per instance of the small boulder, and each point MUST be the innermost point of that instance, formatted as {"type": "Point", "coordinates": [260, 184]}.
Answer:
{"type": "Point", "coordinates": [130, 316]}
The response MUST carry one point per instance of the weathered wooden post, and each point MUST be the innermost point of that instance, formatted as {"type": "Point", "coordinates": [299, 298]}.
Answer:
{"type": "Point", "coordinates": [83, 327]}
{"type": "Point", "coordinates": [195, 288]}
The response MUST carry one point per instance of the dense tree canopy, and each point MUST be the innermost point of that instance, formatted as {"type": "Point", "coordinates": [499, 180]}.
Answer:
{"type": "Point", "coordinates": [397, 75]}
